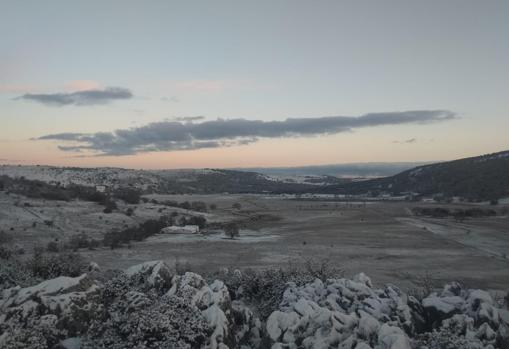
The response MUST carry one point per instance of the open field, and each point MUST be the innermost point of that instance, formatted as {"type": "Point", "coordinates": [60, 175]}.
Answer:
{"type": "Point", "coordinates": [382, 239]}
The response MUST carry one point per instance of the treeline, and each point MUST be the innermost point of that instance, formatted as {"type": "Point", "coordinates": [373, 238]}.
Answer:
{"type": "Point", "coordinates": [198, 206]}
{"type": "Point", "coordinates": [457, 213]}
{"type": "Point", "coordinates": [41, 190]}
{"type": "Point", "coordinates": [148, 228]}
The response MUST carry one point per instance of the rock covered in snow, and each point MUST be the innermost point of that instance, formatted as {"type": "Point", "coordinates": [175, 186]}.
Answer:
{"type": "Point", "coordinates": [38, 316]}
{"type": "Point", "coordinates": [148, 307]}
{"type": "Point", "coordinates": [341, 313]}
{"type": "Point", "coordinates": [157, 273]}
{"type": "Point", "coordinates": [231, 323]}
{"type": "Point", "coordinates": [467, 318]}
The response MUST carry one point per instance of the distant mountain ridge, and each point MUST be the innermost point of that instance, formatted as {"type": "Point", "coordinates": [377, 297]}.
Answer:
{"type": "Point", "coordinates": [484, 177]}
{"type": "Point", "coordinates": [348, 170]}
{"type": "Point", "coordinates": [165, 181]}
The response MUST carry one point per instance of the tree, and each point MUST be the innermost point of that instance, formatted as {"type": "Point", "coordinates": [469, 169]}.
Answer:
{"type": "Point", "coordinates": [197, 220]}
{"type": "Point", "coordinates": [459, 216]}
{"type": "Point", "coordinates": [129, 195]}
{"type": "Point", "coordinates": [199, 206]}
{"type": "Point", "coordinates": [109, 206]}
{"type": "Point", "coordinates": [231, 230]}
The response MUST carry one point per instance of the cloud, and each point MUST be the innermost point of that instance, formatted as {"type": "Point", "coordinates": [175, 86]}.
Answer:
{"type": "Point", "coordinates": [407, 141]}
{"type": "Point", "coordinates": [190, 118]}
{"type": "Point", "coordinates": [79, 98]}
{"type": "Point", "coordinates": [186, 134]}
{"type": "Point", "coordinates": [173, 99]}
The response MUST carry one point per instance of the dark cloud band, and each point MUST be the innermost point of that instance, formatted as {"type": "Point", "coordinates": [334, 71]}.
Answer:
{"type": "Point", "coordinates": [80, 98]}
{"type": "Point", "coordinates": [186, 135]}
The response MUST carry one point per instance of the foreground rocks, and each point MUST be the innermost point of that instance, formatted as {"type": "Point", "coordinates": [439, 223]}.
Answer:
{"type": "Point", "coordinates": [147, 306]}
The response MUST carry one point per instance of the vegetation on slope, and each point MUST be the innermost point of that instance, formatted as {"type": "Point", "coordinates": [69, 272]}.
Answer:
{"type": "Point", "coordinates": [478, 178]}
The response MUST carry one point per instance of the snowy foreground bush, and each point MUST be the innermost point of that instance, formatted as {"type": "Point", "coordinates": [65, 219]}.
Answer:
{"type": "Point", "coordinates": [148, 306]}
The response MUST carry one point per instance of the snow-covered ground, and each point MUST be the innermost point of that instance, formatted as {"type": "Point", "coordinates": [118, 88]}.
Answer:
{"type": "Point", "coordinates": [111, 177]}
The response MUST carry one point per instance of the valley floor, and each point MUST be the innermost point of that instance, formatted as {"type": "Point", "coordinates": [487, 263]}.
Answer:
{"type": "Point", "coordinates": [382, 239]}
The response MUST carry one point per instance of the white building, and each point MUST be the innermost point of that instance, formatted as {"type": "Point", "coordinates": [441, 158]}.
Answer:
{"type": "Point", "coordinates": [101, 188]}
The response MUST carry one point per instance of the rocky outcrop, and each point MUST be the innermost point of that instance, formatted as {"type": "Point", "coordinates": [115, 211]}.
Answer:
{"type": "Point", "coordinates": [231, 323]}
{"type": "Point", "coordinates": [341, 313]}
{"type": "Point", "coordinates": [464, 317]}
{"type": "Point", "coordinates": [148, 306]}
{"type": "Point", "coordinates": [39, 316]}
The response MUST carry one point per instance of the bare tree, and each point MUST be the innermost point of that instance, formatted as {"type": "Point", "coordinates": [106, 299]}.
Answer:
{"type": "Point", "coordinates": [231, 230]}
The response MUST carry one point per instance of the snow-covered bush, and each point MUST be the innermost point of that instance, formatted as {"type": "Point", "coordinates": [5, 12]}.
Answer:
{"type": "Point", "coordinates": [51, 266]}
{"type": "Point", "coordinates": [264, 289]}
{"type": "Point", "coordinates": [137, 320]}
{"type": "Point", "coordinates": [15, 273]}
{"type": "Point", "coordinates": [32, 333]}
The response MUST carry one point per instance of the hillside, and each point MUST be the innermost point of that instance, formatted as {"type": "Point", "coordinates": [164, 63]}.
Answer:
{"type": "Point", "coordinates": [483, 177]}
{"type": "Point", "coordinates": [220, 181]}
{"type": "Point", "coordinates": [167, 181]}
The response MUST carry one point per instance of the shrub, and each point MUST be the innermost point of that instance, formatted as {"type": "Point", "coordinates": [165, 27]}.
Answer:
{"type": "Point", "coordinates": [231, 230]}
{"type": "Point", "coordinates": [199, 206]}
{"type": "Point", "coordinates": [129, 195]}
{"type": "Point", "coordinates": [425, 284]}
{"type": "Point", "coordinates": [109, 206]}
{"type": "Point", "coordinates": [79, 241]}
{"type": "Point", "coordinates": [5, 237]}
{"type": "Point", "coordinates": [52, 246]}
{"type": "Point", "coordinates": [5, 253]}
{"type": "Point", "coordinates": [264, 289]}
{"type": "Point", "coordinates": [157, 322]}
{"type": "Point", "coordinates": [14, 273]}
{"type": "Point", "coordinates": [49, 267]}
{"type": "Point", "coordinates": [93, 244]}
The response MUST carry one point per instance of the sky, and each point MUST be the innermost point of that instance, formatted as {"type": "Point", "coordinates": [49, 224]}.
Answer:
{"type": "Point", "coordinates": [194, 84]}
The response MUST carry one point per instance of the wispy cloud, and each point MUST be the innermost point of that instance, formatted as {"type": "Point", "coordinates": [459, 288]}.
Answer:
{"type": "Point", "coordinates": [406, 141]}
{"type": "Point", "coordinates": [190, 118]}
{"type": "Point", "coordinates": [79, 98]}
{"type": "Point", "coordinates": [173, 99]}
{"type": "Point", "coordinates": [186, 134]}
{"type": "Point", "coordinates": [414, 140]}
